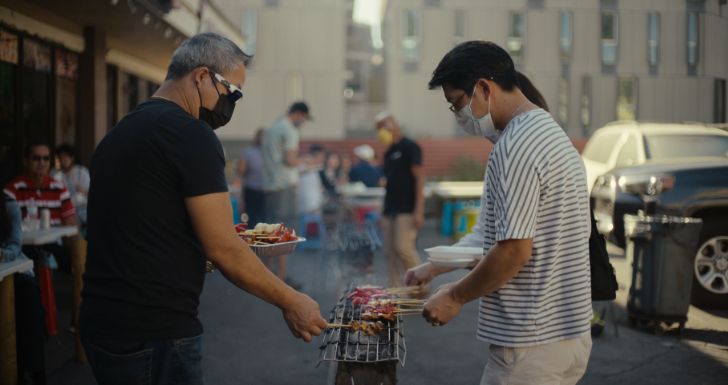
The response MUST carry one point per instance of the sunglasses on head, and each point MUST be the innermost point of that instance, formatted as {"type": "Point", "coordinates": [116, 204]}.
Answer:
{"type": "Point", "coordinates": [234, 93]}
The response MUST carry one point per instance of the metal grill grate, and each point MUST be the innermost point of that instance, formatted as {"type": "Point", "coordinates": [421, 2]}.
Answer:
{"type": "Point", "coordinates": [345, 345]}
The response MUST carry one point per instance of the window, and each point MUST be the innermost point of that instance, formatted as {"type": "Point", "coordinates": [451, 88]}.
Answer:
{"type": "Point", "coordinates": [630, 152]}
{"type": "Point", "coordinates": [66, 63]}
{"type": "Point", "coordinates": [626, 99]}
{"type": "Point", "coordinates": [9, 148]}
{"type": "Point", "coordinates": [459, 21]}
{"type": "Point", "coordinates": [609, 37]}
{"type": "Point", "coordinates": [685, 146]}
{"type": "Point", "coordinates": [599, 148]}
{"type": "Point", "coordinates": [563, 109]}
{"type": "Point", "coordinates": [36, 84]}
{"type": "Point", "coordinates": [653, 39]}
{"type": "Point", "coordinates": [411, 35]}
{"type": "Point", "coordinates": [585, 104]}
{"type": "Point", "coordinates": [516, 36]}
{"type": "Point", "coordinates": [250, 30]}
{"type": "Point", "coordinates": [566, 35]}
{"type": "Point", "coordinates": [720, 101]}
{"type": "Point", "coordinates": [693, 39]}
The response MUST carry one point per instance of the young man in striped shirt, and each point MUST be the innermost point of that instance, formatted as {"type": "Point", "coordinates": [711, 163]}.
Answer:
{"type": "Point", "coordinates": [534, 280]}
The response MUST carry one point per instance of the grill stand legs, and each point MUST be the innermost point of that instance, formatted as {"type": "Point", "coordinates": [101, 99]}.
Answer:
{"type": "Point", "coordinates": [377, 373]}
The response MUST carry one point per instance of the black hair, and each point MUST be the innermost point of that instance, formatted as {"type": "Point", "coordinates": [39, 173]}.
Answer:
{"type": "Point", "coordinates": [315, 149]}
{"type": "Point", "coordinates": [469, 61]}
{"type": "Point", "coordinates": [35, 143]}
{"type": "Point", "coordinates": [5, 225]}
{"type": "Point", "coordinates": [530, 91]}
{"type": "Point", "coordinates": [67, 149]}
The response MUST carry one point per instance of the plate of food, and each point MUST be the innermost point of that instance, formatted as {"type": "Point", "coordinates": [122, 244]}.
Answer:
{"type": "Point", "coordinates": [269, 239]}
{"type": "Point", "coordinates": [458, 263]}
{"type": "Point", "coordinates": [454, 256]}
{"type": "Point", "coordinates": [266, 240]}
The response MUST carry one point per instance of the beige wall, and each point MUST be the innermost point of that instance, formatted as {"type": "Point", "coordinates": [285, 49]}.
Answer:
{"type": "Point", "coordinates": [300, 54]}
{"type": "Point", "coordinates": [671, 95]}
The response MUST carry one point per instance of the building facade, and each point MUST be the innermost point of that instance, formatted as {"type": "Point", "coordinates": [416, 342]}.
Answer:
{"type": "Point", "coordinates": [595, 61]}
{"type": "Point", "coordinates": [299, 50]}
{"type": "Point", "coordinates": [70, 69]}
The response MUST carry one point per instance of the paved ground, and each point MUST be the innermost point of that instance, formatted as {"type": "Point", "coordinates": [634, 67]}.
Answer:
{"type": "Point", "coordinates": [247, 342]}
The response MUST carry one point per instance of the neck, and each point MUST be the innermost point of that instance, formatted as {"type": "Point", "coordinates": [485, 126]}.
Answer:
{"type": "Point", "coordinates": [396, 136]}
{"type": "Point", "coordinates": [173, 91]}
{"type": "Point", "coordinates": [508, 106]}
{"type": "Point", "coordinates": [37, 180]}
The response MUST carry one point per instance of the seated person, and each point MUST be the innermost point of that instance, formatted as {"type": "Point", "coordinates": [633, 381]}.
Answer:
{"type": "Point", "coordinates": [76, 178]}
{"type": "Point", "coordinates": [364, 171]}
{"type": "Point", "coordinates": [35, 191]}
{"type": "Point", "coordinates": [28, 308]}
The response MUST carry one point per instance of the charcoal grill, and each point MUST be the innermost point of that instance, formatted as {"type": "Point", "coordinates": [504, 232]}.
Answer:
{"type": "Point", "coordinates": [361, 358]}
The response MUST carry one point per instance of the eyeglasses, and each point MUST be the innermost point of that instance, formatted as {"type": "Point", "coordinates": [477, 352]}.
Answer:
{"type": "Point", "coordinates": [234, 93]}
{"type": "Point", "coordinates": [38, 158]}
{"type": "Point", "coordinates": [453, 107]}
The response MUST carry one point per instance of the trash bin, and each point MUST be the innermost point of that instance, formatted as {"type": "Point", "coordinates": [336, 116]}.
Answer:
{"type": "Point", "coordinates": [661, 249]}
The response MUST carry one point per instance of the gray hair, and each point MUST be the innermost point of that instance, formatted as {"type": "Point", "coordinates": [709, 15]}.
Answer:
{"type": "Point", "coordinates": [208, 49]}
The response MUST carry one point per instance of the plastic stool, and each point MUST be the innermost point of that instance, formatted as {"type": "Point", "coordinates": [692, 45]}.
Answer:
{"type": "Point", "coordinates": [313, 229]}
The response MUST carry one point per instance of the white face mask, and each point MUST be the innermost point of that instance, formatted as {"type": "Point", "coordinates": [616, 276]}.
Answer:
{"type": "Point", "coordinates": [482, 126]}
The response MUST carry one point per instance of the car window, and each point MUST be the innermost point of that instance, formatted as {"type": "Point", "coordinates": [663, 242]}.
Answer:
{"type": "Point", "coordinates": [600, 146]}
{"type": "Point", "coordinates": [629, 155]}
{"type": "Point", "coordinates": [685, 146]}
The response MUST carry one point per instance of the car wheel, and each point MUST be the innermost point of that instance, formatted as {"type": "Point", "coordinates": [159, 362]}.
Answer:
{"type": "Point", "coordinates": [710, 278]}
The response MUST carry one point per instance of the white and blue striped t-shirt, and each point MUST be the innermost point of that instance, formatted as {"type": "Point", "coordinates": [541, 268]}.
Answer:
{"type": "Point", "coordinates": [536, 188]}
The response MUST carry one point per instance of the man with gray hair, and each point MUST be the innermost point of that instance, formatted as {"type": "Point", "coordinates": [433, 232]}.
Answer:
{"type": "Point", "coordinates": [158, 209]}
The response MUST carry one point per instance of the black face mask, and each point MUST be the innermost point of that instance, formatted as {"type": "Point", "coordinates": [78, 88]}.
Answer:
{"type": "Point", "coordinates": [221, 114]}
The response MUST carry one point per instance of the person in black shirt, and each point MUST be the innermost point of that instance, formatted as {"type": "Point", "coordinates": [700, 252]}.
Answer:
{"type": "Point", "coordinates": [158, 208]}
{"type": "Point", "coordinates": [404, 200]}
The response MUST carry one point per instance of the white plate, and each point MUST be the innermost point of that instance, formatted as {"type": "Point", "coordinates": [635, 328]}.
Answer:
{"type": "Point", "coordinates": [458, 263]}
{"type": "Point", "coordinates": [455, 252]}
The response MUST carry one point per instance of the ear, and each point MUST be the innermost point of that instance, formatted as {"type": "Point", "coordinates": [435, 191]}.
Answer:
{"type": "Point", "coordinates": [198, 74]}
{"type": "Point", "coordinates": [484, 85]}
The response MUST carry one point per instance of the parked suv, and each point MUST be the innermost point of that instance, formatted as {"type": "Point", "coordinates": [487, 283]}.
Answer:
{"type": "Point", "coordinates": [629, 143]}
{"type": "Point", "coordinates": [693, 187]}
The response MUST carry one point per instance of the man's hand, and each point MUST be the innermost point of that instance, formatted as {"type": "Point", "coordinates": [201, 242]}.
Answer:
{"type": "Point", "coordinates": [303, 317]}
{"type": "Point", "coordinates": [442, 306]}
{"type": "Point", "coordinates": [419, 275]}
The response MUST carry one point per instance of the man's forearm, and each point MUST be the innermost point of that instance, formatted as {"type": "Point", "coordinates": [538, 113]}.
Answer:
{"type": "Point", "coordinates": [243, 268]}
{"type": "Point", "coordinates": [496, 268]}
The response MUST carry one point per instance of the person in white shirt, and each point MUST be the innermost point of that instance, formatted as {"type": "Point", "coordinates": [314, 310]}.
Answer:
{"type": "Point", "coordinates": [76, 178]}
{"type": "Point", "coordinates": [533, 281]}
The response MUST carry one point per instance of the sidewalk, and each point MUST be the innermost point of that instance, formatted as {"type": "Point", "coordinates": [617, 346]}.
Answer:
{"type": "Point", "coordinates": [247, 342]}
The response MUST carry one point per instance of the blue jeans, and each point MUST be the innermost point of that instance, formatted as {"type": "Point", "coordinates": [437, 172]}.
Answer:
{"type": "Point", "coordinates": [164, 362]}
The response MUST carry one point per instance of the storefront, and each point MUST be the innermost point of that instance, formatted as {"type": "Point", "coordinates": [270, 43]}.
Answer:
{"type": "Point", "coordinates": [38, 95]}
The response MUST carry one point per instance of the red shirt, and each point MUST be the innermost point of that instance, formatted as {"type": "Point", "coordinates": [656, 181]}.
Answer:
{"type": "Point", "coordinates": [51, 195]}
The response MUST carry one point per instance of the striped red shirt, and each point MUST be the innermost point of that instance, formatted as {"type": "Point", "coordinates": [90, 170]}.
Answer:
{"type": "Point", "coordinates": [51, 194]}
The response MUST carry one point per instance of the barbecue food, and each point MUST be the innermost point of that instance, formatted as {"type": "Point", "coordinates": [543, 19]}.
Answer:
{"type": "Point", "coordinates": [365, 294]}
{"type": "Point", "coordinates": [373, 313]}
{"type": "Point", "coordinates": [368, 328]}
{"type": "Point", "coordinates": [266, 234]}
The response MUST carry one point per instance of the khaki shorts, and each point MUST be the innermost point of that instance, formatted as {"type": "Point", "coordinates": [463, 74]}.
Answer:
{"type": "Point", "coordinates": [557, 363]}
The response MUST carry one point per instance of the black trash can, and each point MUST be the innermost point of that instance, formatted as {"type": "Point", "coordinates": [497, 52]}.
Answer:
{"type": "Point", "coordinates": [661, 249]}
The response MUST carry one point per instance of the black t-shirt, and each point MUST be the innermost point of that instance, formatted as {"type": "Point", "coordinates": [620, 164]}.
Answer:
{"type": "Point", "coordinates": [146, 268]}
{"type": "Point", "coordinates": [398, 161]}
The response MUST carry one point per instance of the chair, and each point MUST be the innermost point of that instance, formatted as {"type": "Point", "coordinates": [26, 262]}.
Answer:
{"type": "Point", "coordinates": [313, 229]}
